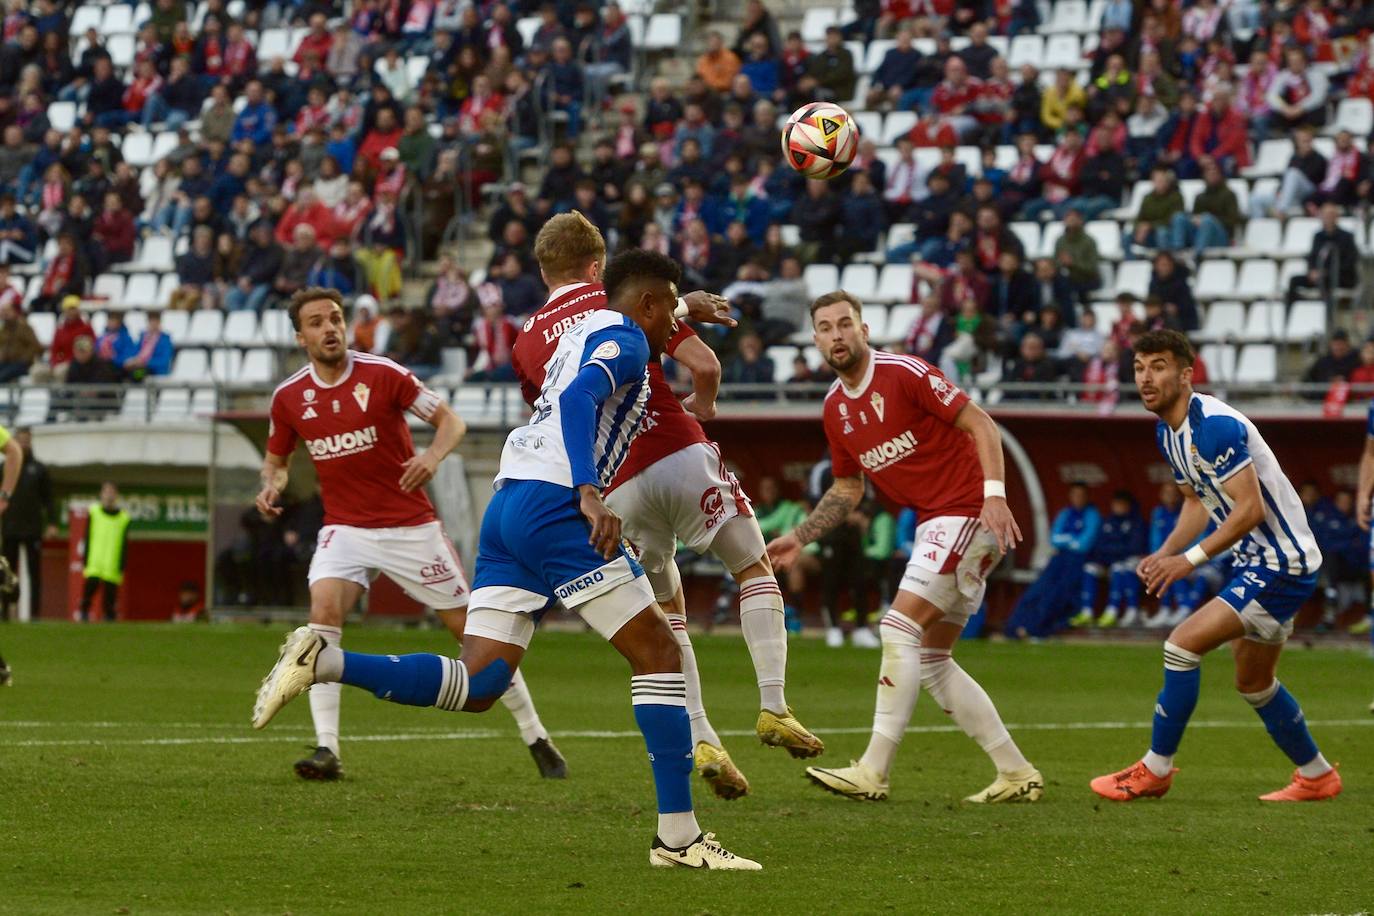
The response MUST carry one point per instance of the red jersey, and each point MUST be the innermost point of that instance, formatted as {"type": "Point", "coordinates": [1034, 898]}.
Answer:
{"type": "Point", "coordinates": [949, 98]}
{"type": "Point", "coordinates": [356, 433]}
{"type": "Point", "coordinates": [667, 426]}
{"type": "Point", "coordinates": [898, 428]}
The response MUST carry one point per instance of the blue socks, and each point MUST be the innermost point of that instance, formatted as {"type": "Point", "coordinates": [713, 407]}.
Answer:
{"type": "Point", "coordinates": [415, 680]}
{"type": "Point", "coordinates": [1175, 704]}
{"type": "Point", "coordinates": [1284, 721]}
{"type": "Point", "coordinates": [660, 704]}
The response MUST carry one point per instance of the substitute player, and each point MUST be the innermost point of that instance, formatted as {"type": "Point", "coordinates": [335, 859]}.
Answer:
{"type": "Point", "coordinates": [349, 408]}
{"type": "Point", "coordinates": [548, 536]}
{"type": "Point", "coordinates": [924, 445]}
{"type": "Point", "coordinates": [674, 486]}
{"type": "Point", "coordinates": [9, 479]}
{"type": "Point", "coordinates": [1226, 471]}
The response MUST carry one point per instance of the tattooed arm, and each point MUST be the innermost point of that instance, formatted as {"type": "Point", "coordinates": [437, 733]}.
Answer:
{"type": "Point", "coordinates": [844, 494]}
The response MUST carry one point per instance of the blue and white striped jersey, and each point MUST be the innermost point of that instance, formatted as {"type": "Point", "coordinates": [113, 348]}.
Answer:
{"type": "Point", "coordinates": [578, 435]}
{"type": "Point", "coordinates": [1216, 442]}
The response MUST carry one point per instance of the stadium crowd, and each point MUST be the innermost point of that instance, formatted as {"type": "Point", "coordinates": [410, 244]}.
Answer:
{"type": "Point", "coordinates": [342, 158]}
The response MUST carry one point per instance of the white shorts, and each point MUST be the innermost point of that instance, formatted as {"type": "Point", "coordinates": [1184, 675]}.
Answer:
{"type": "Point", "coordinates": [949, 564]}
{"type": "Point", "coordinates": [686, 496]}
{"type": "Point", "coordinates": [508, 614]}
{"type": "Point", "coordinates": [420, 559]}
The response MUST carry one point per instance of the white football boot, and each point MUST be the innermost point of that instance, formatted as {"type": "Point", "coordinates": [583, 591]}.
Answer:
{"type": "Point", "coordinates": [703, 852]}
{"type": "Point", "coordinates": [854, 781]}
{"type": "Point", "coordinates": [291, 676]}
{"type": "Point", "coordinates": [1026, 786]}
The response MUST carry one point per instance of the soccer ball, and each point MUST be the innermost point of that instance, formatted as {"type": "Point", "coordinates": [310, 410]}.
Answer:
{"type": "Point", "coordinates": [820, 140]}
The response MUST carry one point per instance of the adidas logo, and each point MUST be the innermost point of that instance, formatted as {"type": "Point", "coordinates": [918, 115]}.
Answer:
{"type": "Point", "coordinates": [309, 414]}
{"type": "Point", "coordinates": [885, 681]}
{"type": "Point", "coordinates": [1159, 711]}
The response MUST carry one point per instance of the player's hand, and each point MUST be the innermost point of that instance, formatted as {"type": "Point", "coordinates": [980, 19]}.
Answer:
{"type": "Point", "coordinates": [605, 536]}
{"type": "Point", "coordinates": [996, 517]}
{"type": "Point", "coordinates": [1146, 566]}
{"type": "Point", "coordinates": [697, 409]}
{"type": "Point", "coordinates": [708, 307]}
{"type": "Point", "coordinates": [784, 551]}
{"type": "Point", "coordinates": [418, 471]}
{"type": "Point", "coordinates": [1164, 572]}
{"type": "Point", "coordinates": [267, 502]}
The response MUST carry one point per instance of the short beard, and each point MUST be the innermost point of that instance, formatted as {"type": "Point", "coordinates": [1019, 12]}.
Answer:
{"type": "Point", "coordinates": [845, 366]}
{"type": "Point", "coordinates": [324, 359]}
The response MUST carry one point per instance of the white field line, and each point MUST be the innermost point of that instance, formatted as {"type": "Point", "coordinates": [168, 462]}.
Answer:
{"type": "Point", "coordinates": [483, 734]}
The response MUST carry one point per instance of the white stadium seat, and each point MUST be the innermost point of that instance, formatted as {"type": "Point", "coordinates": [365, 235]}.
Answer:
{"type": "Point", "coordinates": [1107, 234]}
{"type": "Point", "coordinates": [1259, 279]}
{"type": "Point", "coordinates": [62, 116]}
{"type": "Point", "coordinates": [206, 328]}
{"type": "Point", "coordinates": [1026, 49]}
{"type": "Point", "coordinates": [527, 26]}
{"type": "Point", "coordinates": [118, 20]}
{"type": "Point", "coordinates": [43, 324]}
{"type": "Point", "coordinates": [894, 285]}
{"type": "Point", "coordinates": [1215, 279]}
{"type": "Point", "coordinates": [33, 407]}
{"type": "Point", "coordinates": [1225, 321]}
{"type": "Point", "coordinates": [241, 329]}
{"type": "Point", "coordinates": [136, 321]}
{"type": "Point", "coordinates": [1220, 360]}
{"type": "Point", "coordinates": [1063, 52]}
{"type": "Point", "coordinates": [782, 357]}
{"type": "Point", "coordinates": [1049, 237]}
{"type": "Point", "coordinates": [861, 280]}
{"type": "Point", "coordinates": [897, 124]}
{"type": "Point", "coordinates": [1306, 321]}
{"type": "Point", "coordinates": [276, 328]}
{"type": "Point", "coordinates": [273, 43]}
{"type": "Point", "coordinates": [1355, 114]}
{"type": "Point", "coordinates": [1258, 364]}
{"type": "Point", "coordinates": [1264, 237]}
{"type": "Point", "coordinates": [173, 404]}
{"type": "Point", "coordinates": [174, 323]}
{"type": "Point", "coordinates": [109, 287]}
{"type": "Point", "coordinates": [1271, 159]}
{"type": "Point", "coordinates": [137, 150]}
{"type": "Point", "coordinates": [141, 291]}
{"type": "Point", "coordinates": [1264, 321]}
{"type": "Point", "coordinates": [135, 407]}
{"type": "Point", "coordinates": [821, 279]}
{"type": "Point", "coordinates": [900, 318]}
{"type": "Point", "coordinates": [664, 32]}
{"type": "Point", "coordinates": [1190, 188]}
{"type": "Point", "coordinates": [1298, 235]}
{"type": "Point", "coordinates": [877, 50]}
{"type": "Point", "coordinates": [155, 255]}
{"type": "Point", "coordinates": [225, 362]}
{"type": "Point", "coordinates": [86, 17]}
{"type": "Point", "coordinates": [258, 367]}
{"type": "Point", "coordinates": [816, 20]}
{"type": "Point", "coordinates": [1068, 16]}
{"type": "Point", "coordinates": [121, 48]}
{"type": "Point", "coordinates": [190, 366]}
{"type": "Point", "coordinates": [1029, 234]}
{"type": "Point", "coordinates": [875, 316]}
{"type": "Point", "coordinates": [1133, 277]}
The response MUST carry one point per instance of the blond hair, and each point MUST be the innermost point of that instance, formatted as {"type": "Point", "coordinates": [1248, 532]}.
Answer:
{"type": "Point", "coordinates": [566, 245]}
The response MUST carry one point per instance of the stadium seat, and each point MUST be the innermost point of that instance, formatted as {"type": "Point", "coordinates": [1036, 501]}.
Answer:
{"type": "Point", "coordinates": [1356, 227]}
{"type": "Point", "coordinates": [900, 318]}
{"type": "Point", "coordinates": [98, 323]}
{"type": "Point", "coordinates": [1220, 360]}
{"type": "Point", "coordinates": [1306, 321]}
{"type": "Point", "coordinates": [173, 404]}
{"type": "Point", "coordinates": [1271, 159]}
{"type": "Point", "coordinates": [813, 357]}
{"type": "Point", "coordinates": [897, 124]}
{"type": "Point", "coordinates": [276, 328]}
{"type": "Point", "coordinates": [190, 365]}
{"type": "Point", "coordinates": [1263, 237]}
{"type": "Point", "coordinates": [1355, 114]}
{"type": "Point", "coordinates": [169, 284]}
{"type": "Point", "coordinates": [1029, 234]}
{"type": "Point", "coordinates": [870, 124]}
{"type": "Point", "coordinates": [1225, 321]}
{"type": "Point", "coordinates": [877, 50]}
{"type": "Point", "coordinates": [527, 26]}
{"type": "Point", "coordinates": [1265, 321]}
{"type": "Point", "coordinates": [121, 48]}
{"type": "Point", "coordinates": [791, 237]}
{"type": "Point", "coordinates": [1049, 237]}
{"type": "Point", "coordinates": [118, 20]}
{"type": "Point", "coordinates": [225, 362]}
{"type": "Point", "coordinates": [1241, 188]}
{"type": "Point", "coordinates": [1026, 49]}
{"type": "Point", "coordinates": [203, 402]}
{"type": "Point", "coordinates": [33, 406]}
{"type": "Point", "coordinates": [859, 279]}
{"type": "Point", "coordinates": [1298, 235]}
{"type": "Point", "coordinates": [1006, 157]}
{"type": "Point", "coordinates": [1138, 192]}
{"type": "Point", "coordinates": [241, 329]}
{"type": "Point", "coordinates": [1290, 268]}
{"type": "Point", "coordinates": [62, 116]}
{"type": "Point", "coordinates": [1259, 279]}
{"type": "Point", "coordinates": [1215, 279]}
{"type": "Point", "coordinates": [415, 69]}
{"type": "Point", "coordinates": [43, 324]}
{"type": "Point", "coordinates": [821, 279]}
{"type": "Point", "coordinates": [174, 323]}
{"type": "Point", "coordinates": [86, 17]}
{"type": "Point", "coordinates": [816, 20]}
{"type": "Point", "coordinates": [782, 357]}
{"type": "Point", "coordinates": [875, 316]}
{"type": "Point", "coordinates": [136, 321]}
{"type": "Point", "coordinates": [34, 288]}
{"type": "Point", "coordinates": [258, 368]}
{"type": "Point", "coordinates": [109, 287]}
{"type": "Point", "coordinates": [1133, 277]}
{"type": "Point", "coordinates": [141, 291]}
{"type": "Point", "coordinates": [136, 404]}
{"type": "Point", "coordinates": [898, 234]}
{"type": "Point", "coordinates": [453, 362]}
{"type": "Point", "coordinates": [1107, 234]}
{"type": "Point", "coordinates": [664, 32]}
{"type": "Point", "coordinates": [1190, 188]}
{"type": "Point", "coordinates": [1258, 364]}
{"type": "Point", "coordinates": [163, 145]}
{"type": "Point", "coordinates": [206, 328]}
{"type": "Point", "coordinates": [137, 150]}
{"type": "Point", "coordinates": [154, 256]}
{"type": "Point", "coordinates": [273, 43]}
{"type": "Point", "coordinates": [894, 284]}
{"type": "Point", "coordinates": [971, 158]}
{"type": "Point", "coordinates": [1062, 52]}
{"type": "Point", "coordinates": [1068, 16]}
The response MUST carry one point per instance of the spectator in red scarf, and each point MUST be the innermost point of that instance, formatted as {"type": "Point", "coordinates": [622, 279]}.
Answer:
{"type": "Point", "coordinates": [1298, 94]}
{"type": "Point", "coordinates": [385, 135]}
{"type": "Point", "coordinates": [1344, 172]}
{"type": "Point", "coordinates": [65, 276]}
{"type": "Point", "coordinates": [1220, 134]}
{"type": "Point", "coordinates": [493, 334]}
{"type": "Point", "coordinates": [1060, 176]}
{"type": "Point", "coordinates": [317, 41]}
{"type": "Point", "coordinates": [480, 101]}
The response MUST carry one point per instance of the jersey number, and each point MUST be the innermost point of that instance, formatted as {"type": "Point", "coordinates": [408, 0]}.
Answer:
{"type": "Point", "coordinates": [543, 408]}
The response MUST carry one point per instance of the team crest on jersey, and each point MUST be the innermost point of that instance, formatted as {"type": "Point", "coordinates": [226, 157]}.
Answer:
{"type": "Point", "coordinates": [877, 402]}
{"type": "Point", "coordinates": [309, 414]}
{"type": "Point", "coordinates": [361, 394]}
{"type": "Point", "coordinates": [944, 391]}
{"type": "Point", "coordinates": [336, 406]}
{"type": "Point", "coordinates": [309, 395]}
{"type": "Point", "coordinates": [608, 350]}
{"type": "Point", "coordinates": [844, 409]}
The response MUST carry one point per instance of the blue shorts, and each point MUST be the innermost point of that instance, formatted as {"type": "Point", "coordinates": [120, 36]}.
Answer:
{"type": "Point", "coordinates": [1267, 601]}
{"type": "Point", "coordinates": [533, 550]}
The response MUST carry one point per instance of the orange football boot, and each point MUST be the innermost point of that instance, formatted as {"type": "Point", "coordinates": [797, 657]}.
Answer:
{"type": "Point", "coordinates": [1327, 785]}
{"type": "Point", "coordinates": [1136, 781]}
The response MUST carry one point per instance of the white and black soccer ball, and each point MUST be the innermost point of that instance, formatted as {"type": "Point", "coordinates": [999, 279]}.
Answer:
{"type": "Point", "coordinates": [820, 140]}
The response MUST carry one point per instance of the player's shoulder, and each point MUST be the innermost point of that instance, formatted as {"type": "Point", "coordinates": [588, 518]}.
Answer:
{"type": "Point", "coordinates": [293, 381]}
{"type": "Point", "coordinates": [369, 364]}
{"type": "Point", "coordinates": [900, 365]}
{"type": "Point", "coordinates": [1216, 425]}
{"type": "Point", "coordinates": [832, 395]}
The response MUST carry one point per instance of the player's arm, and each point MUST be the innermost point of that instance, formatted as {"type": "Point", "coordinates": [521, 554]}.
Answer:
{"type": "Point", "coordinates": [701, 361]}
{"type": "Point", "coordinates": [1366, 487]}
{"type": "Point", "coordinates": [273, 476]}
{"type": "Point", "coordinates": [987, 440]}
{"type": "Point", "coordinates": [1247, 511]}
{"type": "Point", "coordinates": [449, 430]}
{"type": "Point", "coordinates": [834, 507]}
{"type": "Point", "coordinates": [14, 460]}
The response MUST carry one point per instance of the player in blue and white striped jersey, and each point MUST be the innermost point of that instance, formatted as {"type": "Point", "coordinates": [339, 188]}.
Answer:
{"type": "Point", "coordinates": [1228, 475]}
{"type": "Point", "coordinates": [547, 536]}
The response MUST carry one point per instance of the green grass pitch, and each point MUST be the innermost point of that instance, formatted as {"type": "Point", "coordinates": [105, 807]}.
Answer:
{"type": "Point", "coordinates": [130, 782]}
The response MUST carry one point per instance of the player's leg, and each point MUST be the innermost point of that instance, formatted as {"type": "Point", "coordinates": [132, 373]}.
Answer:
{"type": "Point", "coordinates": [520, 705]}
{"type": "Point", "coordinates": [1215, 624]}
{"type": "Point", "coordinates": [1125, 587]}
{"type": "Point", "coordinates": [89, 585]}
{"type": "Point", "coordinates": [330, 601]}
{"type": "Point", "coordinates": [1087, 596]}
{"type": "Point", "coordinates": [109, 598]}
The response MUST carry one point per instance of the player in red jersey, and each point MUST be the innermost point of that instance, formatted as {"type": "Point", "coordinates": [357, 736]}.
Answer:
{"type": "Point", "coordinates": [349, 408]}
{"type": "Point", "coordinates": [924, 445]}
{"type": "Point", "coordinates": [674, 486]}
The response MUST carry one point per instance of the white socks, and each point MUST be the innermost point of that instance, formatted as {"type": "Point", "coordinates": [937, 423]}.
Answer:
{"type": "Point", "coordinates": [1159, 764]}
{"type": "Point", "coordinates": [679, 828]}
{"type": "Point", "coordinates": [696, 710]}
{"type": "Point", "coordinates": [899, 683]}
{"type": "Point", "coordinates": [967, 703]}
{"type": "Point", "coordinates": [324, 697]}
{"type": "Point", "coordinates": [761, 619]}
{"type": "Point", "coordinates": [517, 700]}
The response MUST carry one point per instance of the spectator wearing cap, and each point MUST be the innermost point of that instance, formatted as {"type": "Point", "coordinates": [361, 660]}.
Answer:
{"type": "Point", "coordinates": [830, 73]}
{"type": "Point", "coordinates": [153, 354]}
{"type": "Point", "coordinates": [258, 270]}
{"type": "Point", "coordinates": [19, 346]}
{"type": "Point", "coordinates": [367, 320]}
{"type": "Point", "coordinates": [391, 175]}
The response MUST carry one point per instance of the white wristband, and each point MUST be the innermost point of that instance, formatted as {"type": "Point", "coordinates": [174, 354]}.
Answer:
{"type": "Point", "coordinates": [1196, 555]}
{"type": "Point", "coordinates": [681, 310]}
{"type": "Point", "coordinates": [993, 488]}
